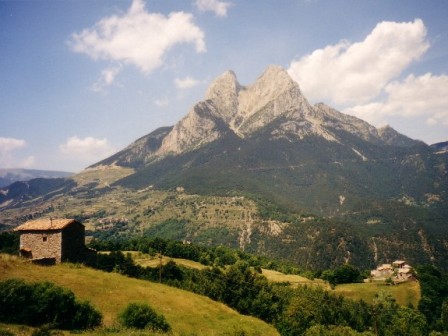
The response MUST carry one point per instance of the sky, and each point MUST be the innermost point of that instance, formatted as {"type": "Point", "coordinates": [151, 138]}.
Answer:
{"type": "Point", "coordinates": [82, 79]}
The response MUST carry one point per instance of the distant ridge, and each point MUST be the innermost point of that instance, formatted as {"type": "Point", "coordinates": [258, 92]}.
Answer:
{"type": "Point", "coordinates": [11, 175]}
{"type": "Point", "coordinates": [440, 146]}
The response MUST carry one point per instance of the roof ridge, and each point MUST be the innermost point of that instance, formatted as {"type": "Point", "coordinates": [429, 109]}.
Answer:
{"type": "Point", "coordinates": [46, 224]}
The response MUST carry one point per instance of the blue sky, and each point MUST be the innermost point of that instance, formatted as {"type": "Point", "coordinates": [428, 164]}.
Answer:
{"type": "Point", "coordinates": [82, 79]}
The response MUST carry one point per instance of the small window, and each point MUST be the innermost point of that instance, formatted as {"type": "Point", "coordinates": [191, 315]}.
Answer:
{"type": "Point", "coordinates": [44, 239]}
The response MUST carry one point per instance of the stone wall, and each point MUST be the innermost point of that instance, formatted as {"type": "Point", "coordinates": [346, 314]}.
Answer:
{"type": "Point", "coordinates": [73, 248]}
{"type": "Point", "coordinates": [43, 244]}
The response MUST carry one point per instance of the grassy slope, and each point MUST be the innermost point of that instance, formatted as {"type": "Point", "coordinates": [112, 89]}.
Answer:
{"type": "Point", "coordinates": [186, 312]}
{"type": "Point", "coordinates": [104, 176]}
{"type": "Point", "coordinates": [405, 293]}
{"type": "Point", "coordinates": [146, 260]}
{"type": "Point", "coordinates": [295, 280]}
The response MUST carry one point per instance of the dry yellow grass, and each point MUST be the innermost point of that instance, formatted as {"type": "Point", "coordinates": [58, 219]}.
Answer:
{"type": "Point", "coordinates": [295, 280]}
{"type": "Point", "coordinates": [186, 312]}
{"type": "Point", "coordinates": [145, 260]}
{"type": "Point", "coordinates": [98, 175]}
{"type": "Point", "coordinates": [404, 293]}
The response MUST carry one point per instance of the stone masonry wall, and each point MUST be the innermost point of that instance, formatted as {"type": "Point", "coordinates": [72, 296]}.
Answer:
{"type": "Point", "coordinates": [43, 244]}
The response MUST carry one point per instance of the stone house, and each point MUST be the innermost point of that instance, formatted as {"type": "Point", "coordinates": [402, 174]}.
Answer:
{"type": "Point", "coordinates": [398, 271]}
{"type": "Point", "coordinates": [51, 241]}
{"type": "Point", "coordinates": [383, 271]}
{"type": "Point", "coordinates": [399, 264]}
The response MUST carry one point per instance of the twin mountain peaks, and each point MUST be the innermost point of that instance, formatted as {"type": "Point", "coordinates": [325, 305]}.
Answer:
{"type": "Point", "coordinates": [232, 109]}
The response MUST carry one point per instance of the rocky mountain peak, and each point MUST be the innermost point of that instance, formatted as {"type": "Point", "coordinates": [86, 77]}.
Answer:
{"type": "Point", "coordinates": [223, 92]}
{"type": "Point", "coordinates": [227, 80]}
{"type": "Point", "coordinates": [240, 109]}
{"type": "Point", "coordinates": [274, 102]}
{"type": "Point", "coordinates": [276, 76]}
{"type": "Point", "coordinates": [273, 94]}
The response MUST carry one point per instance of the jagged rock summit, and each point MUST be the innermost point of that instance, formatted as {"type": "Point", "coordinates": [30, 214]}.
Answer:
{"type": "Point", "coordinates": [273, 102]}
{"type": "Point", "coordinates": [231, 107]}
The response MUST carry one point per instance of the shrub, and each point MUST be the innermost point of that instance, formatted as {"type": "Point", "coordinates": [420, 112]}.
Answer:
{"type": "Point", "coordinates": [141, 316]}
{"type": "Point", "coordinates": [86, 316]}
{"type": "Point", "coordinates": [37, 304]}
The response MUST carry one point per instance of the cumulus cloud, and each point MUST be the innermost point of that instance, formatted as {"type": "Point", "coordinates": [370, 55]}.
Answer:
{"type": "Point", "coordinates": [423, 96]}
{"type": "Point", "coordinates": [355, 73]}
{"type": "Point", "coordinates": [186, 83]}
{"type": "Point", "coordinates": [220, 8]}
{"type": "Point", "coordinates": [138, 37]}
{"type": "Point", "coordinates": [8, 145]}
{"type": "Point", "coordinates": [87, 150]}
{"type": "Point", "coordinates": [8, 157]}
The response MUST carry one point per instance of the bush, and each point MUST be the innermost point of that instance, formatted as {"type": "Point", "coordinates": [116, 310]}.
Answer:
{"type": "Point", "coordinates": [342, 275]}
{"type": "Point", "coordinates": [42, 303]}
{"type": "Point", "coordinates": [141, 316]}
{"type": "Point", "coordinates": [9, 243]}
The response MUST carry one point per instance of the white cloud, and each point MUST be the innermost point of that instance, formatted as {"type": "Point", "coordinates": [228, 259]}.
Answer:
{"type": "Point", "coordinates": [86, 150]}
{"type": "Point", "coordinates": [138, 37]}
{"type": "Point", "coordinates": [8, 159]}
{"type": "Point", "coordinates": [8, 145]}
{"type": "Point", "coordinates": [186, 83]}
{"type": "Point", "coordinates": [355, 73]}
{"type": "Point", "coordinates": [218, 7]}
{"type": "Point", "coordinates": [107, 78]}
{"type": "Point", "coordinates": [424, 96]}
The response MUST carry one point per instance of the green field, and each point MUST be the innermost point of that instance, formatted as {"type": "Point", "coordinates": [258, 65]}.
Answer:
{"type": "Point", "coordinates": [405, 293]}
{"type": "Point", "coordinates": [187, 313]}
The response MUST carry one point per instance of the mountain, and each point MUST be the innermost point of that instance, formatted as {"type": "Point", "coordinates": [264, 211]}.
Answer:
{"type": "Point", "coordinates": [232, 110]}
{"type": "Point", "coordinates": [260, 168]}
{"type": "Point", "coordinates": [267, 138]}
{"type": "Point", "coordinates": [440, 147]}
{"type": "Point", "coordinates": [9, 176]}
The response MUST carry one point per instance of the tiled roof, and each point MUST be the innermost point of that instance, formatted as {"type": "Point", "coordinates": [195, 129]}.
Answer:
{"type": "Point", "coordinates": [45, 224]}
{"type": "Point", "coordinates": [399, 262]}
